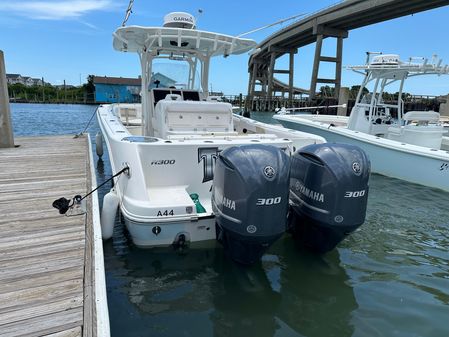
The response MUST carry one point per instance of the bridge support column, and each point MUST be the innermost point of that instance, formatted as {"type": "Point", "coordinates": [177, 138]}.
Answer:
{"type": "Point", "coordinates": [269, 92]}
{"type": "Point", "coordinates": [251, 87]}
{"type": "Point", "coordinates": [321, 33]}
{"type": "Point", "coordinates": [316, 66]}
{"type": "Point", "coordinates": [290, 76]}
{"type": "Point", "coordinates": [338, 63]}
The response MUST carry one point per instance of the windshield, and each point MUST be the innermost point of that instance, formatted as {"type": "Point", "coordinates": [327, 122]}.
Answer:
{"type": "Point", "coordinates": [180, 74]}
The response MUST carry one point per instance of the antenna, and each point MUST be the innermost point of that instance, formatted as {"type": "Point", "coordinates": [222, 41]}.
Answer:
{"type": "Point", "coordinates": [272, 24]}
{"type": "Point", "coordinates": [128, 12]}
{"type": "Point", "coordinates": [200, 12]}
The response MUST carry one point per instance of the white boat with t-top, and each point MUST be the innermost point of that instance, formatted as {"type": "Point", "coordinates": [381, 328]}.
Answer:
{"type": "Point", "coordinates": [406, 145]}
{"type": "Point", "coordinates": [191, 169]}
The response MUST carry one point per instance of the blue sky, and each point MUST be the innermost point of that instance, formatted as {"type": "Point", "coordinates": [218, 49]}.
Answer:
{"type": "Point", "coordinates": [70, 39]}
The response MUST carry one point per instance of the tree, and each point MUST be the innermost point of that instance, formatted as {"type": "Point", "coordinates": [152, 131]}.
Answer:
{"type": "Point", "coordinates": [355, 90]}
{"type": "Point", "coordinates": [90, 87]}
{"type": "Point", "coordinates": [327, 91]}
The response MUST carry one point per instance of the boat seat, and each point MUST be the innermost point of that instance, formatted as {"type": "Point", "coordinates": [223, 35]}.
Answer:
{"type": "Point", "coordinates": [422, 116]}
{"type": "Point", "coordinates": [190, 117]}
{"type": "Point", "coordinates": [130, 114]}
{"type": "Point", "coordinates": [173, 97]}
{"type": "Point", "coordinates": [428, 136]}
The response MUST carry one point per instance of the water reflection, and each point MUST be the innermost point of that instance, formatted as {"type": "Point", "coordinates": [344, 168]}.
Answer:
{"type": "Point", "coordinates": [100, 169]}
{"type": "Point", "coordinates": [290, 292]}
{"type": "Point", "coordinates": [398, 261]}
{"type": "Point", "coordinates": [244, 301]}
{"type": "Point", "coordinates": [317, 298]}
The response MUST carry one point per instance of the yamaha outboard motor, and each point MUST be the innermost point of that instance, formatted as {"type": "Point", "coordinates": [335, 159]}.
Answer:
{"type": "Point", "coordinates": [328, 194]}
{"type": "Point", "coordinates": [250, 199]}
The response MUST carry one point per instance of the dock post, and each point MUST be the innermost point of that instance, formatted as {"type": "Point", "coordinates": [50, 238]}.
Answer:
{"type": "Point", "coordinates": [343, 98]}
{"type": "Point", "coordinates": [6, 133]}
{"type": "Point", "coordinates": [240, 102]}
{"type": "Point", "coordinates": [444, 107]}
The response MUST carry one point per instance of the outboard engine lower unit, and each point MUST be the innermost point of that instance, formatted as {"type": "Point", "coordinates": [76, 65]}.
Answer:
{"type": "Point", "coordinates": [250, 199]}
{"type": "Point", "coordinates": [328, 194]}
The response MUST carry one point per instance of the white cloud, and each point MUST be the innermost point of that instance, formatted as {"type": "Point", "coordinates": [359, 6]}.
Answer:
{"type": "Point", "coordinates": [55, 10]}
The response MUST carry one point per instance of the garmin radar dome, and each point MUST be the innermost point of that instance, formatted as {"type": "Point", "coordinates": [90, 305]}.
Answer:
{"type": "Point", "coordinates": [250, 199]}
{"type": "Point", "coordinates": [180, 20]}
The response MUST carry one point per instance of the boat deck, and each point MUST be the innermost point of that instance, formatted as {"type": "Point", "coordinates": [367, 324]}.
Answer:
{"type": "Point", "coordinates": [46, 259]}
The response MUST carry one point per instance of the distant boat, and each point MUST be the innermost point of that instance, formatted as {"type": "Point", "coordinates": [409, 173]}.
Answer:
{"type": "Point", "coordinates": [194, 171]}
{"type": "Point", "coordinates": [411, 146]}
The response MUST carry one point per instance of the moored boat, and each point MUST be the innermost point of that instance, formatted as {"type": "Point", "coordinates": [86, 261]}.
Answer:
{"type": "Point", "coordinates": [406, 145]}
{"type": "Point", "coordinates": [189, 164]}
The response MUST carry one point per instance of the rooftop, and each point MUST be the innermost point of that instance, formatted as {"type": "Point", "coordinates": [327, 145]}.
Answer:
{"type": "Point", "coordinates": [116, 80]}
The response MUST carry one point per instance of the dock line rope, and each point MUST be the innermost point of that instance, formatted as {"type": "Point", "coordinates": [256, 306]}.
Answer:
{"type": "Point", "coordinates": [88, 123]}
{"type": "Point", "coordinates": [63, 204]}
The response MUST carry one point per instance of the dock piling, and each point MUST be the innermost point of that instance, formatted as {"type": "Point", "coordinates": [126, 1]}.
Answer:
{"type": "Point", "coordinates": [6, 133]}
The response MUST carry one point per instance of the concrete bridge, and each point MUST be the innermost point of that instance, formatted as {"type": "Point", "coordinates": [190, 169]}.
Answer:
{"type": "Point", "coordinates": [334, 22]}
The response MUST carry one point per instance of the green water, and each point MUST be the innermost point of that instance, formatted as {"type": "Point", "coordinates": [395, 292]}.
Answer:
{"type": "Point", "coordinates": [389, 278]}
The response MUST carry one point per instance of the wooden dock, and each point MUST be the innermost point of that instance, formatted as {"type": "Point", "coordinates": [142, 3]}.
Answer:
{"type": "Point", "coordinates": [48, 262]}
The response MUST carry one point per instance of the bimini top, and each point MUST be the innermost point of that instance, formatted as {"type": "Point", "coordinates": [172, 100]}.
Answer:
{"type": "Point", "coordinates": [390, 63]}
{"type": "Point", "coordinates": [140, 39]}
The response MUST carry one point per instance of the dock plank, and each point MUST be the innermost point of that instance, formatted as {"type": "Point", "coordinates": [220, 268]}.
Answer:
{"type": "Point", "coordinates": [37, 259]}
{"type": "Point", "coordinates": [45, 277]}
{"type": "Point", "coordinates": [18, 227]}
{"type": "Point", "coordinates": [44, 325]}
{"type": "Point", "coordinates": [18, 254]}
{"type": "Point", "coordinates": [18, 272]}
{"type": "Point", "coordinates": [70, 273]}
{"type": "Point", "coordinates": [41, 239]}
{"type": "Point", "coordinates": [27, 298]}
{"type": "Point", "coordinates": [76, 332]}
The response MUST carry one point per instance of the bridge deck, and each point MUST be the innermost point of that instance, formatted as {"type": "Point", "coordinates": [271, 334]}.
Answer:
{"type": "Point", "coordinates": [347, 15]}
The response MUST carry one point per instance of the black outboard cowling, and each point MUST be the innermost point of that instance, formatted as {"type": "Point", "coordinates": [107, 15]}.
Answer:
{"type": "Point", "coordinates": [250, 199]}
{"type": "Point", "coordinates": [328, 194]}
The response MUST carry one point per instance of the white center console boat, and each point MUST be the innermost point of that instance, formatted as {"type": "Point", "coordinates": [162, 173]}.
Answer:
{"type": "Point", "coordinates": [171, 143]}
{"type": "Point", "coordinates": [412, 145]}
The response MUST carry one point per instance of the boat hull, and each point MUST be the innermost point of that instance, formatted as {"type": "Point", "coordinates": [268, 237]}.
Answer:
{"type": "Point", "coordinates": [411, 163]}
{"type": "Point", "coordinates": [165, 195]}
{"type": "Point", "coordinates": [154, 234]}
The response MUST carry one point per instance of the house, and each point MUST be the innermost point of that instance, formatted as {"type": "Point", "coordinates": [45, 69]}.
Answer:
{"type": "Point", "coordinates": [125, 90]}
{"type": "Point", "coordinates": [28, 81]}
{"type": "Point", "coordinates": [37, 81]}
{"type": "Point", "coordinates": [14, 78]}
{"type": "Point", "coordinates": [62, 86]}
{"type": "Point", "coordinates": [116, 89]}
{"type": "Point", "coordinates": [25, 80]}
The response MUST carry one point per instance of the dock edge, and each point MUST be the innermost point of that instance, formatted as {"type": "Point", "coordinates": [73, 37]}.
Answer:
{"type": "Point", "coordinates": [101, 302]}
